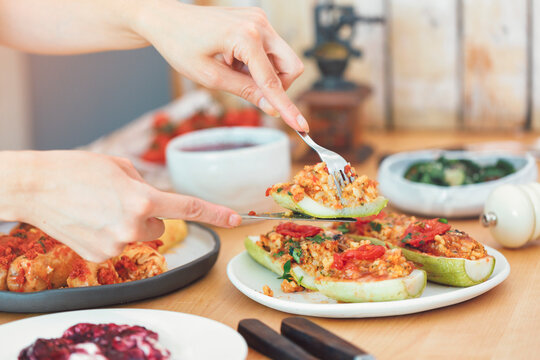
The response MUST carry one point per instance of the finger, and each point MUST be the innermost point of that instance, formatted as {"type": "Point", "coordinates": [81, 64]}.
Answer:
{"type": "Point", "coordinates": [176, 206]}
{"type": "Point", "coordinates": [287, 64]}
{"type": "Point", "coordinates": [241, 84]}
{"type": "Point", "coordinates": [153, 229]}
{"type": "Point", "coordinates": [128, 167]}
{"type": "Point", "coordinates": [270, 84]}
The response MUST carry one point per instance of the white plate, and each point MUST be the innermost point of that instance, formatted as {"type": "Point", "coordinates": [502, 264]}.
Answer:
{"type": "Point", "coordinates": [249, 277]}
{"type": "Point", "coordinates": [186, 336]}
{"type": "Point", "coordinates": [447, 201]}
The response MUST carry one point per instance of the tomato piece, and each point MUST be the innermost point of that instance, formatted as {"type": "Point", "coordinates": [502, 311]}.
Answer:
{"type": "Point", "coordinates": [297, 231]}
{"type": "Point", "coordinates": [423, 232]}
{"type": "Point", "coordinates": [160, 119]}
{"type": "Point", "coordinates": [364, 252]}
{"type": "Point", "coordinates": [252, 213]}
{"type": "Point", "coordinates": [154, 155]}
{"type": "Point", "coordinates": [368, 219]}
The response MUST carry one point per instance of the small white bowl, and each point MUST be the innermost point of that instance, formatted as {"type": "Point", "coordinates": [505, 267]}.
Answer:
{"type": "Point", "coordinates": [236, 178]}
{"type": "Point", "coordinates": [447, 201]}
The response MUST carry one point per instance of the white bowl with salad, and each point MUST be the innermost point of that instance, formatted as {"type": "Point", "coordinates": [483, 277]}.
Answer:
{"type": "Point", "coordinates": [450, 183]}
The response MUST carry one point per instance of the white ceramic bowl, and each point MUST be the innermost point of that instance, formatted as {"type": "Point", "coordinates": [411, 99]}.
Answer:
{"type": "Point", "coordinates": [236, 178]}
{"type": "Point", "coordinates": [447, 201]}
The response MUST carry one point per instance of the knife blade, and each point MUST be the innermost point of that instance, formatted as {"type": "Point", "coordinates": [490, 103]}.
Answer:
{"type": "Point", "coordinates": [292, 217]}
{"type": "Point", "coordinates": [321, 342]}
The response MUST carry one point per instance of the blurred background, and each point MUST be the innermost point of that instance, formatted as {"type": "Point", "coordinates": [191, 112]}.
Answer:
{"type": "Point", "coordinates": [446, 65]}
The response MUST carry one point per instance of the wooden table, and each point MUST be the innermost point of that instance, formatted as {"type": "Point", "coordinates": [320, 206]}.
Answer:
{"type": "Point", "coordinates": [501, 324]}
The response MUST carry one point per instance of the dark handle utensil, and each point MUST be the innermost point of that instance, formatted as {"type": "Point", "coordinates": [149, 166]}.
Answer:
{"type": "Point", "coordinates": [269, 343]}
{"type": "Point", "coordinates": [321, 342]}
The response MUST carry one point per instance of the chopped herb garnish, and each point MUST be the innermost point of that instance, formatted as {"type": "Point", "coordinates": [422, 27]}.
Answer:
{"type": "Point", "coordinates": [407, 237]}
{"type": "Point", "coordinates": [300, 280]}
{"type": "Point", "coordinates": [297, 254]}
{"type": "Point", "coordinates": [343, 228]}
{"type": "Point", "coordinates": [43, 246]}
{"type": "Point", "coordinates": [279, 189]}
{"type": "Point", "coordinates": [443, 220]}
{"type": "Point", "coordinates": [286, 271]}
{"type": "Point", "coordinates": [279, 254]}
{"type": "Point", "coordinates": [317, 239]}
{"type": "Point", "coordinates": [375, 226]}
{"type": "Point", "coordinates": [290, 193]}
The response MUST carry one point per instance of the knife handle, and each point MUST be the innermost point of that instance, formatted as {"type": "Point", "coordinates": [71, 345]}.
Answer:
{"type": "Point", "coordinates": [269, 343]}
{"type": "Point", "coordinates": [321, 342]}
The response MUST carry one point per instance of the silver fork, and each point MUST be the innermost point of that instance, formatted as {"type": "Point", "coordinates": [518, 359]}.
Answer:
{"type": "Point", "coordinates": [334, 162]}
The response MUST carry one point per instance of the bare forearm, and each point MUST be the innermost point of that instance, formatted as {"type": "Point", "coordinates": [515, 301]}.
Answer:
{"type": "Point", "coordinates": [15, 182]}
{"type": "Point", "coordinates": [69, 26]}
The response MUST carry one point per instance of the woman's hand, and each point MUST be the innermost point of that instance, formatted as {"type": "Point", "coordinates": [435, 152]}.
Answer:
{"type": "Point", "coordinates": [93, 203]}
{"type": "Point", "coordinates": [231, 49]}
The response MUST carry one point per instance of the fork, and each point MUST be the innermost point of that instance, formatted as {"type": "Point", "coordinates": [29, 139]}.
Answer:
{"type": "Point", "coordinates": [334, 162]}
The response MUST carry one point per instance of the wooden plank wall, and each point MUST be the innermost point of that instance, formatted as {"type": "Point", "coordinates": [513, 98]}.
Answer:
{"type": "Point", "coordinates": [446, 64]}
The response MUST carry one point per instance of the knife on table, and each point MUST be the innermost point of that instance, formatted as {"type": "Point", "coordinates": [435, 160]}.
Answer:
{"type": "Point", "coordinates": [292, 216]}
{"type": "Point", "coordinates": [321, 342]}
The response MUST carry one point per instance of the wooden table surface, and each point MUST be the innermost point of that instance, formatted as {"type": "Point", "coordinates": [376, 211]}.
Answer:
{"type": "Point", "coordinates": [501, 324]}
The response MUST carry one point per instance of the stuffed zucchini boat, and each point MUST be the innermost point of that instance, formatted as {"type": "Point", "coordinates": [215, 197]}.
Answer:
{"type": "Point", "coordinates": [308, 257]}
{"type": "Point", "coordinates": [313, 192]}
{"type": "Point", "coordinates": [449, 256]}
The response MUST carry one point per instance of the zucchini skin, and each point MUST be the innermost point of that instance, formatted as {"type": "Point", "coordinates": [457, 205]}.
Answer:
{"type": "Point", "coordinates": [444, 270]}
{"type": "Point", "coordinates": [345, 290]}
{"type": "Point", "coordinates": [310, 207]}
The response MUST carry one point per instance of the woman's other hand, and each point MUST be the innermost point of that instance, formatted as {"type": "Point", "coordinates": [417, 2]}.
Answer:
{"type": "Point", "coordinates": [93, 203]}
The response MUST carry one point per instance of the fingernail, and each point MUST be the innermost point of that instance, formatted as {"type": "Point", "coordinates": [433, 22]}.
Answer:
{"type": "Point", "coordinates": [235, 220]}
{"type": "Point", "coordinates": [267, 108]}
{"type": "Point", "coordinates": [302, 123]}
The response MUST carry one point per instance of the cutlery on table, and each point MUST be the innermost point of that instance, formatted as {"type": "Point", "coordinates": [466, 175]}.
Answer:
{"type": "Point", "coordinates": [292, 216]}
{"type": "Point", "coordinates": [268, 342]}
{"type": "Point", "coordinates": [300, 339]}
{"type": "Point", "coordinates": [321, 342]}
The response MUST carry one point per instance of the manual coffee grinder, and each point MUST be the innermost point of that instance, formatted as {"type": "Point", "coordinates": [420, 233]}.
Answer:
{"type": "Point", "coordinates": [333, 104]}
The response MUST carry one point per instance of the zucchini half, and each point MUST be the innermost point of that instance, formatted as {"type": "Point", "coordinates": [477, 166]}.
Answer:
{"type": "Point", "coordinates": [310, 207]}
{"type": "Point", "coordinates": [443, 270]}
{"type": "Point", "coordinates": [407, 287]}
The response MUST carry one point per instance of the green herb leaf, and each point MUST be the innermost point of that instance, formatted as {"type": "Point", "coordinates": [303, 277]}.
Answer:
{"type": "Point", "coordinates": [375, 226]}
{"type": "Point", "coordinates": [279, 189]}
{"type": "Point", "coordinates": [286, 271]}
{"type": "Point", "coordinates": [290, 193]}
{"type": "Point", "coordinates": [43, 246]}
{"type": "Point", "coordinates": [443, 220]}
{"type": "Point", "coordinates": [317, 239]}
{"type": "Point", "coordinates": [297, 254]}
{"type": "Point", "coordinates": [407, 237]}
{"type": "Point", "coordinates": [343, 228]}
{"type": "Point", "coordinates": [279, 254]}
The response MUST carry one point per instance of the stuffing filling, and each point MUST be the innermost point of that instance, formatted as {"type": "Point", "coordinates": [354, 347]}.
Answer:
{"type": "Point", "coordinates": [434, 237]}
{"type": "Point", "coordinates": [330, 254]}
{"type": "Point", "coordinates": [315, 182]}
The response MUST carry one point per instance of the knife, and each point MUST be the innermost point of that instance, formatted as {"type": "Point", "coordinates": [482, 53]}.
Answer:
{"type": "Point", "coordinates": [321, 342]}
{"type": "Point", "coordinates": [268, 342]}
{"type": "Point", "coordinates": [292, 216]}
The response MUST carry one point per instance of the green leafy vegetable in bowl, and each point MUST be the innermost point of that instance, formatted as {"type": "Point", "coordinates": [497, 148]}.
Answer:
{"type": "Point", "coordinates": [453, 172]}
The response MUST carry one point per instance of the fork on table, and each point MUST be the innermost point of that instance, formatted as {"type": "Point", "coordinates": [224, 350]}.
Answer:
{"type": "Point", "coordinates": [334, 162]}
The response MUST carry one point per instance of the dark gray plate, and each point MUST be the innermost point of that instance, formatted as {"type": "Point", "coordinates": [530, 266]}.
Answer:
{"type": "Point", "coordinates": [191, 260]}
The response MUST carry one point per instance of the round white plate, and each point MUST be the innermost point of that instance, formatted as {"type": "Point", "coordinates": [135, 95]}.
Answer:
{"type": "Point", "coordinates": [249, 277]}
{"type": "Point", "coordinates": [186, 336]}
